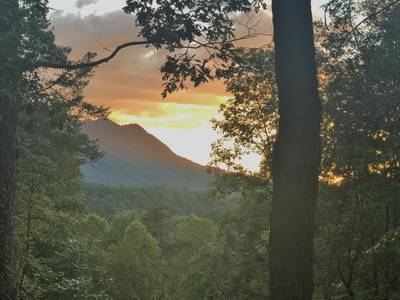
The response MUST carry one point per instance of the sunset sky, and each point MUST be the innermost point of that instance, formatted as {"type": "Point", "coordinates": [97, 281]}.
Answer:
{"type": "Point", "coordinates": [131, 83]}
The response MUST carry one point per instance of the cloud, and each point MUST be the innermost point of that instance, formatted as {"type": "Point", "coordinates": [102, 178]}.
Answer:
{"type": "Point", "coordinates": [82, 3]}
{"type": "Point", "coordinates": [132, 79]}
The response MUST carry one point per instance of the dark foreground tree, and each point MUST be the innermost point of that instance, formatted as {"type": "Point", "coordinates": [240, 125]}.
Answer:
{"type": "Point", "coordinates": [9, 75]}
{"type": "Point", "coordinates": [25, 38]}
{"type": "Point", "coordinates": [297, 152]}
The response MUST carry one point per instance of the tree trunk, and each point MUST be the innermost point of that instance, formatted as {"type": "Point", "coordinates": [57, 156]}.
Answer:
{"type": "Point", "coordinates": [8, 124]}
{"type": "Point", "coordinates": [9, 78]}
{"type": "Point", "coordinates": [297, 153]}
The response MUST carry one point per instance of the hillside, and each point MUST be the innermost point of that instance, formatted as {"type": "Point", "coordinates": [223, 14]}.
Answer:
{"type": "Point", "coordinates": [135, 157]}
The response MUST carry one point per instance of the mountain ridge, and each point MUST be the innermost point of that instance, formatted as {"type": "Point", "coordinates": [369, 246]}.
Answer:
{"type": "Point", "coordinates": [135, 157]}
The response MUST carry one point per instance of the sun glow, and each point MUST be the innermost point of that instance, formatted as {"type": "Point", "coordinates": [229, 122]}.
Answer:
{"type": "Point", "coordinates": [170, 115]}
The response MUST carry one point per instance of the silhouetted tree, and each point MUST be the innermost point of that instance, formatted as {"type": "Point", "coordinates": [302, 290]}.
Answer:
{"type": "Point", "coordinates": [9, 101]}
{"type": "Point", "coordinates": [297, 152]}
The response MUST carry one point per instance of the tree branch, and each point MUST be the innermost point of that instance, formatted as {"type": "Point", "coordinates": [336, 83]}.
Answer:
{"type": "Point", "coordinates": [92, 63]}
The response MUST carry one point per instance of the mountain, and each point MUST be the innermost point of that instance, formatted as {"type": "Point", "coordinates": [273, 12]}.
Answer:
{"type": "Point", "coordinates": [135, 157]}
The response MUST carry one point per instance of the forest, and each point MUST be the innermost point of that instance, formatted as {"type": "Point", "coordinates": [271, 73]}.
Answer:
{"type": "Point", "coordinates": [319, 103]}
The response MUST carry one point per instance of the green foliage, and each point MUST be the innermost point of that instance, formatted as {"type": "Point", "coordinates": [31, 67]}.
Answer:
{"type": "Point", "coordinates": [56, 241]}
{"type": "Point", "coordinates": [133, 265]}
{"type": "Point", "coordinates": [52, 250]}
{"type": "Point", "coordinates": [158, 220]}
{"type": "Point", "coordinates": [202, 29]}
{"type": "Point", "coordinates": [233, 266]}
{"type": "Point", "coordinates": [358, 206]}
{"type": "Point", "coordinates": [360, 157]}
{"type": "Point", "coordinates": [119, 223]}
{"type": "Point", "coordinates": [250, 116]}
{"type": "Point", "coordinates": [195, 232]}
{"type": "Point", "coordinates": [109, 200]}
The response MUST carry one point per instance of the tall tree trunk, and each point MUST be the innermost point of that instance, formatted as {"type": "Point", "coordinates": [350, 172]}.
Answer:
{"type": "Point", "coordinates": [9, 78]}
{"type": "Point", "coordinates": [297, 153]}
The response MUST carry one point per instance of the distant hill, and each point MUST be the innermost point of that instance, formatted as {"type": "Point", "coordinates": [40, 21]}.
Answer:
{"type": "Point", "coordinates": [135, 157]}
{"type": "Point", "coordinates": [107, 200]}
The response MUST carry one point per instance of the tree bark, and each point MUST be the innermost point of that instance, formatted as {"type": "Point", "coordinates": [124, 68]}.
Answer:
{"type": "Point", "coordinates": [297, 153]}
{"type": "Point", "coordinates": [9, 79]}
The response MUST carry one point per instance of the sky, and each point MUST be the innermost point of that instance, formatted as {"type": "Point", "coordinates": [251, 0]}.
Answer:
{"type": "Point", "coordinates": [131, 83]}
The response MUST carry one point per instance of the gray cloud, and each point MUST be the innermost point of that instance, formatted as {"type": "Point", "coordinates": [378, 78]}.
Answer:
{"type": "Point", "coordinates": [82, 3]}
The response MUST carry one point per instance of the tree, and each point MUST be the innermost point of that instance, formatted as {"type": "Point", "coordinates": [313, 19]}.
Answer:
{"type": "Point", "coordinates": [234, 264]}
{"type": "Point", "coordinates": [251, 80]}
{"type": "Point", "coordinates": [9, 101]}
{"type": "Point", "coordinates": [119, 223]}
{"type": "Point", "coordinates": [133, 265]}
{"type": "Point", "coordinates": [357, 211]}
{"type": "Point", "coordinates": [194, 232]}
{"type": "Point", "coordinates": [250, 117]}
{"type": "Point", "coordinates": [360, 213]}
{"type": "Point", "coordinates": [158, 221]}
{"type": "Point", "coordinates": [51, 251]}
{"type": "Point", "coordinates": [297, 154]}
{"type": "Point", "coordinates": [25, 39]}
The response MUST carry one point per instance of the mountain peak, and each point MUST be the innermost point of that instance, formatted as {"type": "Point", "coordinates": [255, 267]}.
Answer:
{"type": "Point", "coordinates": [133, 126]}
{"type": "Point", "coordinates": [112, 124]}
{"type": "Point", "coordinates": [134, 156]}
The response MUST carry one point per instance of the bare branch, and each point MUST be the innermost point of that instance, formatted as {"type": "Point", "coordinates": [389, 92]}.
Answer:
{"type": "Point", "coordinates": [72, 66]}
{"type": "Point", "coordinates": [92, 63]}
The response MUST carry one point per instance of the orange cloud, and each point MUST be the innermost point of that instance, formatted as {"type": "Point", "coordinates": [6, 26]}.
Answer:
{"type": "Point", "coordinates": [133, 77]}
